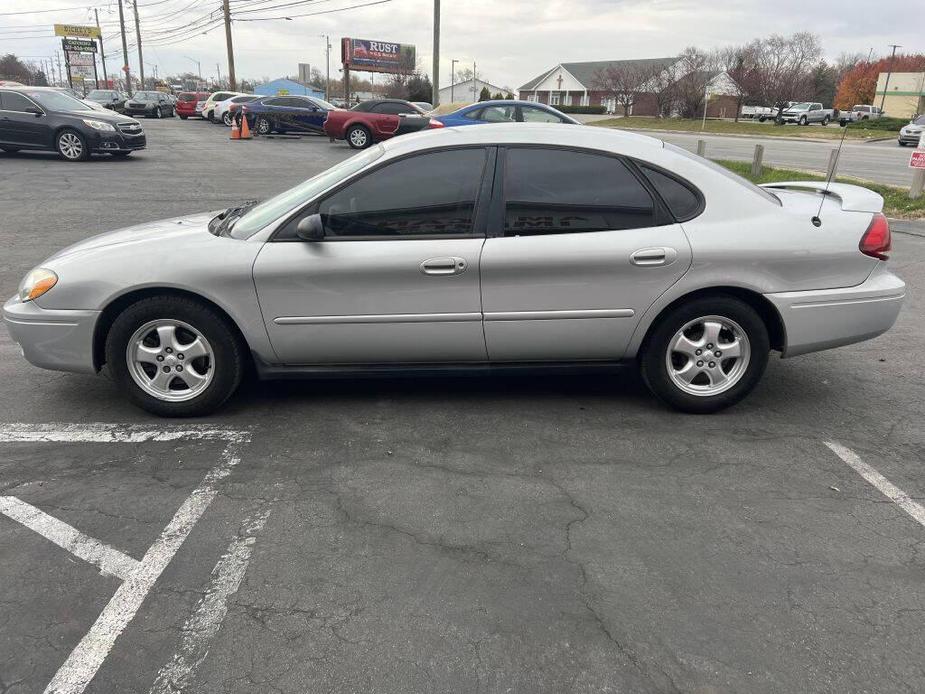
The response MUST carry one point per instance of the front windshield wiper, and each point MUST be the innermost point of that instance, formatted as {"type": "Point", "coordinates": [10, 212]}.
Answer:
{"type": "Point", "coordinates": [224, 221]}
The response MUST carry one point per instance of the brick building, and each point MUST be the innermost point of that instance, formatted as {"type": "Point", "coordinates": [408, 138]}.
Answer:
{"type": "Point", "coordinates": [575, 84]}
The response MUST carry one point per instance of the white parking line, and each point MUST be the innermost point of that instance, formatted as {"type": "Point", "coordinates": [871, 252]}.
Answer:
{"type": "Point", "coordinates": [887, 488]}
{"type": "Point", "coordinates": [85, 660]}
{"type": "Point", "coordinates": [109, 560]}
{"type": "Point", "coordinates": [204, 623]}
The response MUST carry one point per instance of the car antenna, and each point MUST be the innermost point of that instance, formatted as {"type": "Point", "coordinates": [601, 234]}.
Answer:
{"type": "Point", "coordinates": [817, 220]}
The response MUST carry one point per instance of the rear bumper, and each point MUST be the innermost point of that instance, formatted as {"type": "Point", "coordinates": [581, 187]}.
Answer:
{"type": "Point", "coordinates": [827, 318]}
{"type": "Point", "coordinates": [52, 339]}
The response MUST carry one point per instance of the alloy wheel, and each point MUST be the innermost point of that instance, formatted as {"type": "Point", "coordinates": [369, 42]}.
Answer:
{"type": "Point", "coordinates": [70, 146]}
{"type": "Point", "coordinates": [263, 126]}
{"type": "Point", "coordinates": [358, 137]}
{"type": "Point", "coordinates": [170, 360]}
{"type": "Point", "coordinates": [708, 355]}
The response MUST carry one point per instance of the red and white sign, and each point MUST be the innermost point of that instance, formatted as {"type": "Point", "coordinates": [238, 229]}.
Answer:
{"type": "Point", "coordinates": [917, 160]}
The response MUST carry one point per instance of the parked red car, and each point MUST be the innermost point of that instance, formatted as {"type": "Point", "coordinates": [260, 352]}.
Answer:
{"type": "Point", "coordinates": [376, 120]}
{"type": "Point", "coordinates": [186, 104]}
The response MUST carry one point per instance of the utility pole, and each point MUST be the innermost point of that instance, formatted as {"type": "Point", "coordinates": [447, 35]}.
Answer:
{"type": "Point", "coordinates": [141, 59]}
{"type": "Point", "coordinates": [327, 74]}
{"type": "Point", "coordinates": [226, 8]}
{"type": "Point", "coordinates": [452, 79]}
{"type": "Point", "coordinates": [889, 71]}
{"type": "Point", "coordinates": [102, 52]}
{"type": "Point", "coordinates": [218, 69]}
{"type": "Point", "coordinates": [435, 100]}
{"type": "Point", "coordinates": [125, 69]}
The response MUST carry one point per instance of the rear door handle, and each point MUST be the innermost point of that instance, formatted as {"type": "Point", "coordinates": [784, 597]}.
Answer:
{"type": "Point", "coordinates": [653, 256]}
{"type": "Point", "coordinates": [451, 265]}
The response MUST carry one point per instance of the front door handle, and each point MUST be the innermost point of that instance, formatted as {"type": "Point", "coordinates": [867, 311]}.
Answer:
{"type": "Point", "coordinates": [661, 255]}
{"type": "Point", "coordinates": [451, 265]}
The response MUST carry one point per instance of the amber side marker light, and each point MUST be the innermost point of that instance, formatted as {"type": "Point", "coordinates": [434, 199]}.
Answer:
{"type": "Point", "coordinates": [37, 283]}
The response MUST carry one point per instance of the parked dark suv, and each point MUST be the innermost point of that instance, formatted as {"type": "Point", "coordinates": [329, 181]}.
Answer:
{"type": "Point", "coordinates": [44, 118]}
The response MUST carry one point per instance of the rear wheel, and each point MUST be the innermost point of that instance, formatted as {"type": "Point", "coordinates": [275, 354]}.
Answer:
{"type": "Point", "coordinates": [359, 137]}
{"type": "Point", "coordinates": [825, 120]}
{"type": "Point", "coordinates": [174, 357]}
{"type": "Point", "coordinates": [158, 113]}
{"type": "Point", "coordinates": [183, 117]}
{"type": "Point", "coordinates": [706, 355]}
{"type": "Point", "coordinates": [72, 146]}
{"type": "Point", "coordinates": [226, 118]}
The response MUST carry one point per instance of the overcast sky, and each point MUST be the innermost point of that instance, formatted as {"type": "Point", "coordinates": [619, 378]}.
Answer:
{"type": "Point", "coordinates": [510, 40]}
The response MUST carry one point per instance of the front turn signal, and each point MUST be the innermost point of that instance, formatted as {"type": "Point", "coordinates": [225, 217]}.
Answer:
{"type": "Point", "coordinates": [37, 283]}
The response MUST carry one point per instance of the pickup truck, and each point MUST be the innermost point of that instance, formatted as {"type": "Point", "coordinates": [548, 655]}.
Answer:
{"type": "Point", "coordinates": [807, 112]}
{"type": "Point", "coordinates": [860, 112]}
{"type": "Point", "coordinates": [762, 113]}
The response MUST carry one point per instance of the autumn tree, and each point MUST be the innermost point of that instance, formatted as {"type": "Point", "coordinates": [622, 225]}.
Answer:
{"type": "Point", "coordinates": [859, 84]}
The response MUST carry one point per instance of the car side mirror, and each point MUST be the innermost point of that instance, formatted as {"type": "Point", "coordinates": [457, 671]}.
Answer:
{"type": "Point", "coordinates": [310, 228]}
{"type": "Point", "coordinates": [35, 111]}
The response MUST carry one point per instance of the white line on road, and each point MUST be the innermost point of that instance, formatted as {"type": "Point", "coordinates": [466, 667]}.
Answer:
{"type": "Point", "coordinates": [84, 661]}
{"type": "Point", "coordinates": [887, 488]}
{"type": "Point", "coordinates": [109, 560]}
{"type": "Point", "coordinates": [204, 623]}
{"type": "Point", "coordinates": [113, 433]}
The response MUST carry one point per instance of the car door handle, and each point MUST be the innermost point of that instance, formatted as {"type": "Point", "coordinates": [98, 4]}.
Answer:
{"type": "Point", "coordinates": [653, 256]}
{"type": "Point", "coordinates": [451, 265]}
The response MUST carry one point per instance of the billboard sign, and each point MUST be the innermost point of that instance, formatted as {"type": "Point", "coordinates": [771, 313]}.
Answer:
{"type": "Point", "coordinates": [75, 30]}
{"type": "Point", "coordinates": [79, 45]}
{"type": "Point", "coordinates": [377, 56]}
{"type": "Point", "coordinates": [80, 59]}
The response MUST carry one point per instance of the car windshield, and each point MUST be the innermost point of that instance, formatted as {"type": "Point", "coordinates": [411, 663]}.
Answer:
{"type": "Point", "coordinates": [146, 96]}
{"type": "Point", "coordinates": [260, 215]}
{"type": "Point", "coordinates": [800, 107]}
{"type": "Point", "coordinates": [767, 195]}
{"type": "Point", "coordinates": [57, 101]}
{"type": "Point", "coordinates": [919, 121]}
{"type": "Point", "coordinates": [324, 104]}
{"type": "Point", "coordinates": [99, 94]}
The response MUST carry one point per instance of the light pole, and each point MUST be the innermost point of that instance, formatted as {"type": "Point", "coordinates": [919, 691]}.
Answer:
{"type": "Point", "coordinates": [199, 68]}
{"type": "Point", "coordinates": [327, 56]}
{"type": "Point", "coordinates": [452, 79]}
{"type": "Point", "coordinates": [436, 72]}
{"type": "Point", "coordinates": [889, 71]}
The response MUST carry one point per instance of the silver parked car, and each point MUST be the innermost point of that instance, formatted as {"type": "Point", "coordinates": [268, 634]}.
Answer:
{"type": "Point", "coordinates": [503, 245]}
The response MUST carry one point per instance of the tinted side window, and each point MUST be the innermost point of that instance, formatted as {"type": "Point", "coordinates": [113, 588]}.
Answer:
{"type": "Point", "coordinates": [393, 109]}
{"type": "Point", "coordinates": [15, 102]}
{"type": "Point", "coordinates": [549, 191]}
{"type": "Point", "coordinates": [274, 102]}
{"type": "Point", "coordinates": [498, 114]}
{"type": "Point", "coordinates": [681, 199]}
{"type": "Point", "coordinates": [427, 194]}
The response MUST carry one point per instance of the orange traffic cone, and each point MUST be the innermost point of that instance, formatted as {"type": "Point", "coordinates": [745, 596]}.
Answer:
{"type": "Point", "coordinates": [235, 130]}
{"type": "Point", "coordinates": [245, 128]}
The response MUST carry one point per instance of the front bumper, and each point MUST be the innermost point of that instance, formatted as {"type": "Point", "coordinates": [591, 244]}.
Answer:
{"type": "Point", "coordinates": [52, 339]}
{"type": "Point", "coordinates": [912, 139]}
{"type": "Point", "coordinates": [118, 141]}
{"type": "Point", "coordinates": [826, 318]}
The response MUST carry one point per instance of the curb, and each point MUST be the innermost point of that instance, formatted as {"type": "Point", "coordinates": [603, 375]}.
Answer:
{"type": "Point", "coordinates": [912, 227]}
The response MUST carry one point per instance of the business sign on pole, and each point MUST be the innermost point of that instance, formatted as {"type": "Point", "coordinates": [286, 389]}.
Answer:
{"type": "Point", "coordinates": [78, 45]}
{"type": "Point", "coordinates": [76, 30]}
{"type": "Point", "coordinates": [80, 59]}
{"type": "Point", "coordinates": [377, 56]}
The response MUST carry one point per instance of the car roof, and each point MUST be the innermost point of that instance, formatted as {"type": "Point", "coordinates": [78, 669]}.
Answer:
{"type": "Point", "coordinates": [550, 134]}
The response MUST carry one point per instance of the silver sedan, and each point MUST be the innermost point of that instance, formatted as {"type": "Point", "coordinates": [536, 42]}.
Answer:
{"type": "Point", "coordinates": [474, 248]}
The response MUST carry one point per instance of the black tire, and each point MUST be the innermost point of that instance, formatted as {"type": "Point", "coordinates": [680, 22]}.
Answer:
{"type": "Point", "coordinates": [158, 113]}
{"type": "Point", "coordinates": [825, 120]}
{"type": "Point", "coordinates": [229, 356]}
{"type": "Point", "coordinates": [69, 133]}
{"type": "Point", "coordinates": [901, 144]}
{"type": "Point", "coordinates": [262, 126]}
{"type": "Point", "coordinates": [226, 118]}
{"type": "Point", "coordinates": [761, 119]}
{"type": "Point", "coordinates": [655, 355]}
{"type": "Point", "coordinates": [358, 137]}
{"type": "Point", "coordinates": [183, 117]}
{"type": "Point", "coordinates": [803, 120]}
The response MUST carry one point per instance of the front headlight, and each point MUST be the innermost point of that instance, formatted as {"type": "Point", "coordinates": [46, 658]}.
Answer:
{"type": "Point", "coordinates": [37, 283]}
{"type": "Point", "coordinates": [99, 125]}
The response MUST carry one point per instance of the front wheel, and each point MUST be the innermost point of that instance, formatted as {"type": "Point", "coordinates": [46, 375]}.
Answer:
{"type": "Point", "coordinates": [182, 117]}
{"type": "Point", "coordinates": [158, 113]}
{"type": "Point", "coordinates": [263, 126]}
{"type": "Point", "coordinates": [901, 144]}
{"type": "Point", "coordinates": [803, 120]}
{"type": "Point", "coordinates": [72, 146]}
{"type": "Point", "coordinates": [706, 355]}
{"type": "Point", "coordinates": [358, 137]}
{"type": "Point", "coordinates": [226, 118]}
{"type": "Point", "coordinates": [174, 356]}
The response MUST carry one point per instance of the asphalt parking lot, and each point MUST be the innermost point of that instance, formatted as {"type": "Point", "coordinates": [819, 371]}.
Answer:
{"type": "Point", "coordinates": [517, 534]}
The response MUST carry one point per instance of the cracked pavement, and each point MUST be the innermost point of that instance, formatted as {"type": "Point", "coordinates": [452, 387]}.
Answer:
{"type": "Point", "coordinates": [512, 534]}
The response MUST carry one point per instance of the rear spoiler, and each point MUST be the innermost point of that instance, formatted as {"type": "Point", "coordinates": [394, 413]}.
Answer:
{"type": "Point", "coordinates": [852, 198]}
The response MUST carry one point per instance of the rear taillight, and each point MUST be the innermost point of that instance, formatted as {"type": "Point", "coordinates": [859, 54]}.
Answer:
{"type": "Point", "coordinates": [877, 241]}
{"type": "Point", "coordinates": [434, 123]}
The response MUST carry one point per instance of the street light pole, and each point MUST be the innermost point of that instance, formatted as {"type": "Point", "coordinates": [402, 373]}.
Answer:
{"type": "Point", "coordinates": [889, 71]}
{"type": "Point", "coordinates": [453, 79]}
{"type": "Point", "coordinates": [232, 82]}
{"type": "Point", "coordinates": [435, 99]}
{"type": "Point", "coordinates": [96, 13]}
{"type": "Point", "coordinates": [141, 60]}
{"type": "Point", "coordinates": [327, 71]}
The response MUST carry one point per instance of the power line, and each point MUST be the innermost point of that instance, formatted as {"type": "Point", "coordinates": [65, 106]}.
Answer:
{"type": "Point", "coordinates": [312, 14]}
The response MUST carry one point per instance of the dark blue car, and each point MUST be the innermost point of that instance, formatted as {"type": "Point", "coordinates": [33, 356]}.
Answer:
{"type": "Point", "coordinates": [505, 111]}
{"type": "Point", "coordinates": [287, 114]}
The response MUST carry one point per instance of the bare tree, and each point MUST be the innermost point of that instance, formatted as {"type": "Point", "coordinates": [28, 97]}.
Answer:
{"type": "Point", "coordinates": [784, 65]}
{"type": "Point", "coordinates": [624, 81]}
{"type": "Point", "coordinates": [695, 68]}
{"type": "Point", "coordinates": [661, 84]}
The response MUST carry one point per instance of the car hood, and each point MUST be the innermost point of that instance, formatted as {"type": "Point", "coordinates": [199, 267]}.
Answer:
{"type": "Point", "coordinates": [106, 116]}
{"type": "Point", "coordinates": [162, 230]}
